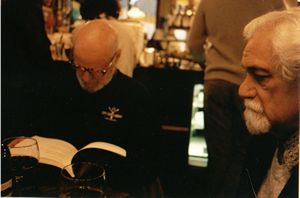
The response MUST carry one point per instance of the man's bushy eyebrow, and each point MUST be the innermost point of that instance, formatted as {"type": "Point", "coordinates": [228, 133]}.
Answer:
{"type": "Point", "coordinates": [253, 69]}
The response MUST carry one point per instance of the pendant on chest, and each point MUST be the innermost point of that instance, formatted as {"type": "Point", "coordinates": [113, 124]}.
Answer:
{"type": "Point", "coordinates": [112, 114]}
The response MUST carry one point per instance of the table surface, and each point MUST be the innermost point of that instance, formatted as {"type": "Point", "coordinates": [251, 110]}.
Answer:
{"type": "Point", "coordinates": [47, 184]}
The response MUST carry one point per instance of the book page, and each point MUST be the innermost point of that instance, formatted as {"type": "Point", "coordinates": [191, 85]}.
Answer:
{"type": "Point", "coordinates": [20, 147]}
{"type": "Point", "coordinates": [107, 146]}
{"type": "Point", "coordinates": [55, 152]}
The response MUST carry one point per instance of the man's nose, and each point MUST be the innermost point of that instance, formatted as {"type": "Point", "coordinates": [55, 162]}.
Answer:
{"type": "Point", "coordinates": [86, 77]}
{"type": "Point", "coordinates": [247, 89]}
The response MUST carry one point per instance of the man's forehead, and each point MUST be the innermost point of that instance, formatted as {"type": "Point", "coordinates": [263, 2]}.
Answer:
{"type": "Point", "coordinates": [96, 33]}
{"type": "Point", "coordinates": [254, 62]}
{"type": "Point", "coordinates": [258, 52]}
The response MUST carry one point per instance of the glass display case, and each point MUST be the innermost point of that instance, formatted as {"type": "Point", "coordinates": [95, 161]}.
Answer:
{"type": "Point", "coordinates": [197, 150]}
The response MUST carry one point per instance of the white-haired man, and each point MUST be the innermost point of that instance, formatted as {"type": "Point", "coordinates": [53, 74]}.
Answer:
{"type": "Point", "coordinates": [218, 36]}
{"type": "Point", "coordinates": [270, 91]}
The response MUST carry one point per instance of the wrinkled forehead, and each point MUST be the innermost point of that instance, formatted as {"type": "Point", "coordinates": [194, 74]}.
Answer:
{"type": "Point", "coordinates": [258, 49]}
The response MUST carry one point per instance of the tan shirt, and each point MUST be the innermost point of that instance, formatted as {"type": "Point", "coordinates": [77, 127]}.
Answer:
{"type": "Point", "coordinates": [221, 24]}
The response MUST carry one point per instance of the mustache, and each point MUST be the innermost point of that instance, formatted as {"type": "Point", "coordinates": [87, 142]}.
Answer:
{"type": "Point", "coordinates": [253, 106]}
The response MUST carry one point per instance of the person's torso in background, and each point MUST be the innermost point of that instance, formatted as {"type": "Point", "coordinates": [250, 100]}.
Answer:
{"type": "Point", "coordinates": [224, 26]}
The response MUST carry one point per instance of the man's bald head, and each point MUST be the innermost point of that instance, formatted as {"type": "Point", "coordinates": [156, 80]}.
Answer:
{"type": "Point", "coordinates": [94, 41]}
{"type": "Point", "coordinates": [95, 52]}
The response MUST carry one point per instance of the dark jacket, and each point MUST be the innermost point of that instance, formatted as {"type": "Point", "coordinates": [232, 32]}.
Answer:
{"type": "Point", "coordinates": [258, 162]}
{"type": "Point", "coordinates": [26, 64]}
{"type": "Point", "coordinates": [80, 117]}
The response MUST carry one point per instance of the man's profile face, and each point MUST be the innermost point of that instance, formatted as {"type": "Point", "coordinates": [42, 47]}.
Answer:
{"type": "Point", "coordinates": [269, 100]}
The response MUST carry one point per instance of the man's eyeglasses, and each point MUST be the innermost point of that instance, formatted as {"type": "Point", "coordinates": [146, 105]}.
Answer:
{"type": "Point", "coordinates": [91, 70]}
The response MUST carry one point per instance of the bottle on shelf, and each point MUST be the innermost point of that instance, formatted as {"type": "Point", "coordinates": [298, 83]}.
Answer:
{"type": "Point", "coordinates": [177, 23]}
{"type": "Point", "coordinates": [182, 17]}
{"type": "Point", "coordinates": [187, 17]}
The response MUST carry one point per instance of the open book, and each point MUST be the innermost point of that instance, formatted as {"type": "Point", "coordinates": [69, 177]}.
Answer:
{"type": "Point", "coordinates": [60, 153]}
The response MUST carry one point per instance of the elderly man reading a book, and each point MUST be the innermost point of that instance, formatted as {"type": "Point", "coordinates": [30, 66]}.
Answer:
{"type": "Point", "coordinates": [96, 102]}
{"type": "Point", "coordinates": [118, 110]}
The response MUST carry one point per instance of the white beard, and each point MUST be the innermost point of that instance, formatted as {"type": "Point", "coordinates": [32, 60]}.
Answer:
{"type": "Point", "coordinates": [256, 120]}
{"type": "Point", "coordinates": [98, 86]}
{"type": "Point", "coordinates": [90, 89]}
